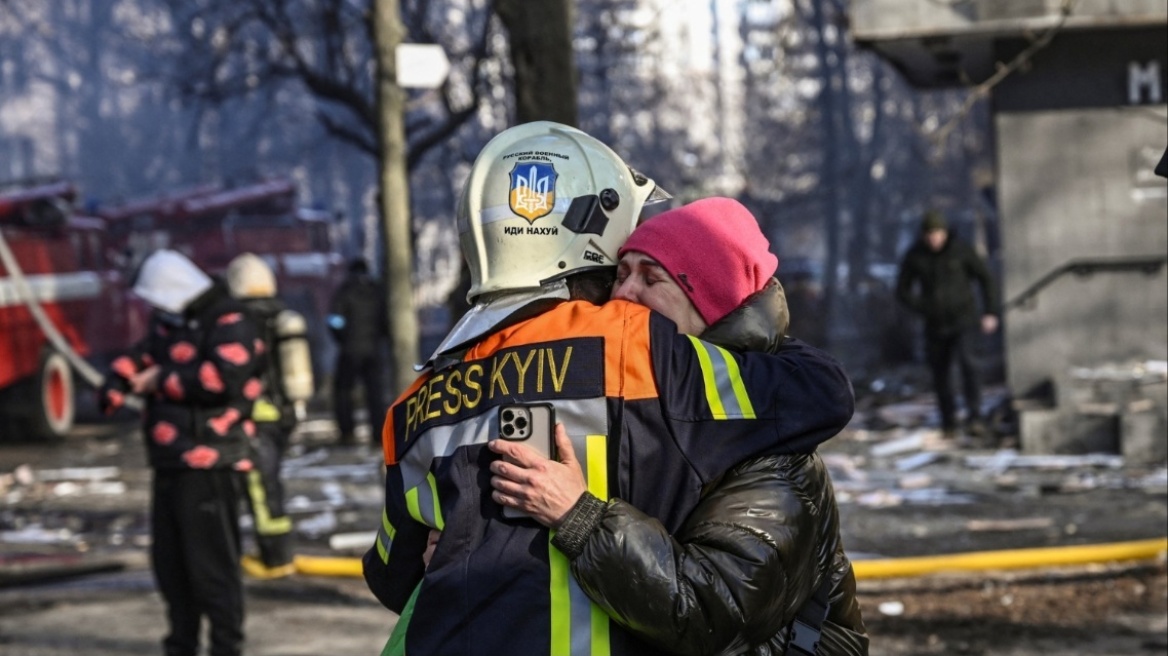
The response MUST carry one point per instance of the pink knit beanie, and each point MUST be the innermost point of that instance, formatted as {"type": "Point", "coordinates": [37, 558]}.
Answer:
{"type": "Point", "coordinates": [713, 248]}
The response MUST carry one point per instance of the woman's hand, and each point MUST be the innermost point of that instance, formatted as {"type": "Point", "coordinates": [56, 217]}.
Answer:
{"type": "Point", "coordinates": [545, 489]}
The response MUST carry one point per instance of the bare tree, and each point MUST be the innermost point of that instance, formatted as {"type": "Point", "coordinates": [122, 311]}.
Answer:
{"type": "Point", "coordinates": [336, 51]}
{"type": "Point", "coordinates": [541, 54]}
{"type": "Point", "coordinates": [328, 47]}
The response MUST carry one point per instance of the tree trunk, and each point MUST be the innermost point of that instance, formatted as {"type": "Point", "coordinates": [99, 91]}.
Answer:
{"type": "Point", "coordinates": [830, 171]}
{"type": "Point", "coordinates": [541, 53]}
{"type": "Point", "coordinates": [395, 197]}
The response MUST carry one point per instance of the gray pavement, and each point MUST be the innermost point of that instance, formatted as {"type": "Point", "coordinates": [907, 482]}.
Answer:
{"type": "Point", "coordinates": [902, 492]}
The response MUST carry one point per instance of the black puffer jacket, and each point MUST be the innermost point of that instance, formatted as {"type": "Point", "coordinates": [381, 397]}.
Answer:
{"type": "Point", "coordinates": [939, 286]}
{"type": "Point", "coordinates": [750, 555]}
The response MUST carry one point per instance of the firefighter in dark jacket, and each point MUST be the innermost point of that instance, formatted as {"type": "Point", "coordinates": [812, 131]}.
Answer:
{"type": "Point", "coordinates": [652, 415]}
{"type": "Point", "coordinates": [759, 566]}
{"type": "Point", "coordinates": [275, 414]}
{"type": "Point", "coordinates": [358, 321]}
{"type": "Point", "coordinates": [197, 370]}
{"type": "Point", "coordinates": [936, 281]}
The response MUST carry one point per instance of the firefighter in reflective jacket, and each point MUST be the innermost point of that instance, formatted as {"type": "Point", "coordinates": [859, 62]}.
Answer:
{"type": "Point", "coordinates": [652, 415]}
{"type": "Point", "coordinates": [287, 385]}
{"type": "Point", "coordinates": [197, 370]}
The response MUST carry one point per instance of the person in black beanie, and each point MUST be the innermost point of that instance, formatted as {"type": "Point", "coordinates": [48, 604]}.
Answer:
{"type": "Point", "coordinates": [358, 322]}
{"type": "Point", "coordinates": [935, 281]}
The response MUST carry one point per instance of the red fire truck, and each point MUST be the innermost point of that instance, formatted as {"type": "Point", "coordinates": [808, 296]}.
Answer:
{"type": "Point", "coordinates": [64, 302]}
{"type": "Point", "coordinates": [60, 301]}
{"type": "Point", "coordinates": [211, 225]}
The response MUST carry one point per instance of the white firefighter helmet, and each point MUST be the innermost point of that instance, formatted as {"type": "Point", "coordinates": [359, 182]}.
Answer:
{"type": "Point", "coordinates": [169, 281]}
{"type": "Point", "coordinates": [249, 276]}
{"type": "Point", "coordinates": [545, 200]}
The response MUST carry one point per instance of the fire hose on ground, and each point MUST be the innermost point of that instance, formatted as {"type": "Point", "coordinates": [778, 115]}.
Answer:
{"type": "Point", "coordinates": [977, 561]}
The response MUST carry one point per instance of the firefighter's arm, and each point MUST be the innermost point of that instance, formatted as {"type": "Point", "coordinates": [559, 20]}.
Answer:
{"type": "Point", "coordinates": [393, 566]}
{"type": "Point", "coordinates": [338, 314]}
{"type": "Point", "coordinates": [224, 370]}
{"type": "Point", "coordinates": [750, 404]}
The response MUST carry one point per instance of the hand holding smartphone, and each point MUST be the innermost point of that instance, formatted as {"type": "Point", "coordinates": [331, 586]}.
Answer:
{"type": "Point", "coordinates": [534, 425]}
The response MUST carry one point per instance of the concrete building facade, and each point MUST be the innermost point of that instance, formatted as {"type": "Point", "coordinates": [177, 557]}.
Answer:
{"type": "Point", "coordinates": [1080, 122]}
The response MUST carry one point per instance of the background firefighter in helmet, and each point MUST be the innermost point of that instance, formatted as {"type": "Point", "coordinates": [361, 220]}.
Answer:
{"type": "Point", "coordinates": [198, 371]}
{"type": "Point", "coordinates": [287, 378]}
{"type": "Point", "coordinates": [357, 320]}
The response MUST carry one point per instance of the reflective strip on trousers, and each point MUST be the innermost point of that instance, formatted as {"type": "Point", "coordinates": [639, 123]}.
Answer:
{"type": "Point", "coordinates": [385, 536]}
{"type": "Point", "coordinates": [578, 626]}
{"type": "Point", "coordinates": [725, 391]}
{"type": "Point", "coordinates": [265, 524]}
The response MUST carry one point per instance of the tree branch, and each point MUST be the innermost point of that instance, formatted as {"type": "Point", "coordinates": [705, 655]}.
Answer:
{"type": "Point", "coordinates": [1004, 70]}
{"type": "Point", "coordinates": [345, 133]}
{"type": "Point", "coordinates": [419, 146]}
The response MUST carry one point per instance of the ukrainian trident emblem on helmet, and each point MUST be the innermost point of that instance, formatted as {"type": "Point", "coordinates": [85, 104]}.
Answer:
{"type": "Point", "coordinates": [533, 189]}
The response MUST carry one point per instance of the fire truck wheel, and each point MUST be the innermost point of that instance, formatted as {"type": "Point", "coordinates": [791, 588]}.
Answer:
{"type": "Point", "coordinates": [54, 404]}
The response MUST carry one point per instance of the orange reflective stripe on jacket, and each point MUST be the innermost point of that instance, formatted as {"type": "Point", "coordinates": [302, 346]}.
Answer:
{"type": "Point", "coordinates": [623, 325]}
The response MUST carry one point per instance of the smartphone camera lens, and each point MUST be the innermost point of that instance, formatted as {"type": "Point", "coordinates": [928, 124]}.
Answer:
{"type": "Point", "coordinates": [508, 415]}
{"type": "Point", "coordinates": [521, 422]}
{"type": "Point", "coordinates": [508, 430]}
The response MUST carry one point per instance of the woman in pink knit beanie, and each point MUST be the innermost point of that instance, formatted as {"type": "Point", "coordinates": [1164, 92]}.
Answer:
{"type": "Point", "coordinates": [761, 553]}
{"type": "Point", "coordinates": [710, 253]}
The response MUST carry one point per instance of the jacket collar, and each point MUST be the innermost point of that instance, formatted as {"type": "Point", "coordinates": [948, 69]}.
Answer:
{"type": "Point", "coordinates": [487, 316]}
{"type": "Point", "coordinates": [759, 324]}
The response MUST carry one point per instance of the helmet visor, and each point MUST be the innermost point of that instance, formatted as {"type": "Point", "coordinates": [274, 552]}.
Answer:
{"type": "Point", "coordinates": [656, 202]}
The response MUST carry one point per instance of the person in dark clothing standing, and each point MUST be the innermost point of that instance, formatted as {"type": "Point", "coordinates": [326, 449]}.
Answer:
{"type": "Point", "coordinates": [358, 321]}
{"type": "Point", "coordinates": [252, 281]}
{"type": "Point", "coordinates": [936, 281]}
{"type": "Point", "coordinates": [198, 372]}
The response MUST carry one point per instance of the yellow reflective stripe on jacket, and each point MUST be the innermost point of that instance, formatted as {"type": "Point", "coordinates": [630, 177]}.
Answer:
{"type": "Point", "coordinates": [725, 391]}
{"type": "Point", "coordinates": [439, 523]}
{"type": "Point", "coordinates": [561, 601]}
{"type": "Point", "coordinates": [598, 485]}
{"type": "Point", "coordinates": [385, 537]}
{"type": "Point", "coordinates": [265, 411]}
{"type": "Point", "coordinates": [597, 450]}
{"type": "Point", "coordinates": [578, 626]}
{"type": "Point", "coordinates": [264, 523]}
{"type": "Point", "coordinates": [422, 503]}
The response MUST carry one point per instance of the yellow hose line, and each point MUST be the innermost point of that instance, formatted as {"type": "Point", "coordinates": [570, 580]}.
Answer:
{"type": "Point", "coordinates": [1011, 559]}
{"type": "Point", "coordinates": [897, 567]}
{"type": "Point", "coordinates": [323, 566]}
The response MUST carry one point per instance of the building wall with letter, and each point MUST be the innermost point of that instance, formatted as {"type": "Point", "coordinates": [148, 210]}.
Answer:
{"type": "Point", "coordinates": [1078, 137]}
